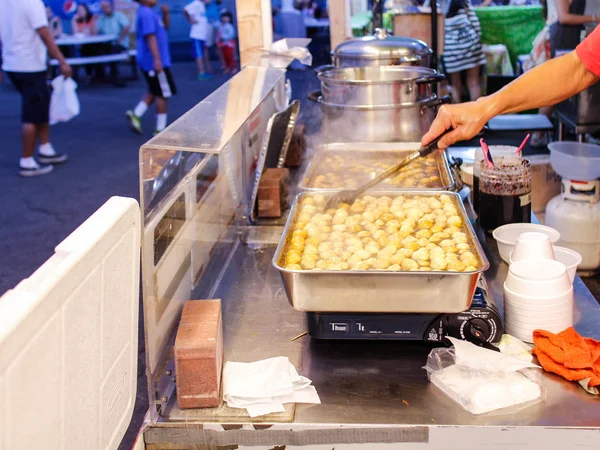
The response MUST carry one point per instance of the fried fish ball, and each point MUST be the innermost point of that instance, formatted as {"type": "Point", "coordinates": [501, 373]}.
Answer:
{"type": "Point", "coordinates": [372, 248]}
{"type": "Point", "coordinates": [421, 254]}
{"type": "Point", "coordinates": [311, 250]}
{"type": "Point", "coordinates": [361, 265]}
{"type": "Point", "coordinates": [308, 264]}
{"type": "Point", "coordinates": [394, 267]}
{"type": "Point", "coordinates": [447, 243]}
{"type": "Point", "coordinates": [470, 269]}
{"type": "Point", "coordinates": [466, 256]}
{"type": "Point", "coordinates": [423, 242]}
{"type": "Point", "coordinates": [363, 254]}
{"type": "Point", "coordinates": [293, 267]}
{"type": "Point", "coordinates": [450, 249]}
{"type": "Point", "coordinates": [460, 236]}
{"type": "Point", "coordinates": [456, 266]}
{"type": "Point", "coordinates": [407, 252]}
{"type": "Point", "coordinates": [425, 269]}
{"type": "Point", "coordinates": [463, 247]}
{"type": "Point", "coordinates": [397, 258]}
{"type": "Point", "coordinates": [381, 264]}
{"type": "Point", "coordinates": [313, 240]}
{"type": "Point", "coordinates": [293, 258]}
{"type": "Point", "coordinates": [409, 264]}
{"type": "Point", "coordinates": [437, 229]}
{"type": "Point", "coordinates": [438, 263]}
{"type": "Point", "coordinates": [299, 233]}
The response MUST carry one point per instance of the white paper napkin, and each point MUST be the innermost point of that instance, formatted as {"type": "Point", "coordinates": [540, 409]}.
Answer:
{"type": "Point", "coordinates": [262, 387]}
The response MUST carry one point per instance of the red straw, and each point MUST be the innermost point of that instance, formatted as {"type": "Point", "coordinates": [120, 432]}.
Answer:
{"type": "Point", "coordinates": [487, 154]}
{"type": "Point", "coordinates": [520, 149]}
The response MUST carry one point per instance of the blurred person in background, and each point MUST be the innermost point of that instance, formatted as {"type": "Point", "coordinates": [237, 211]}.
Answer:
{"type": "Point", "coordinates": [292, 25]}
{"type": "Point", "coordinates": [564, 22]}
{"type": "Point", "coordinates": [213, 14]}
{"type": "Point", "coordinates": [115, 23]}
{"type": "Point", "coordinates": [54, 23]}
{"type": "Point", "coordinates": [154, 60]}
{"type": "Point", "coordinates": [84, 23]}
{"type": "Point", "coordinates": [226, 42]}
{"type": "Point", "coordinates": [195, 13]}
{"type": "Point", "coordinates": [463, 51]}
{"type": "Point", "coordinates": [26, 41]}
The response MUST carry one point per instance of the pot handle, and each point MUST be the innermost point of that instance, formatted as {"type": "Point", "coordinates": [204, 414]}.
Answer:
{"type": "Point", "coordinates": [323, 68]}
{"type": "Point", "coordinates": [436, 78]}
{"type": "Point", "coordinates": [410, 59]}
{"type": "Point", "coordinates": [314, 96]}
{"type": "Point", "coordinates": [437, 101]}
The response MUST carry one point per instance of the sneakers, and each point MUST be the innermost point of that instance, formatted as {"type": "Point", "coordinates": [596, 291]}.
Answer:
{"type": "Point", "coordinates": [205, 76]}
{"type": "Point", "coordinates": [57, 158]}
{"type": "Point", "coordinates": [38, 169]}
{"type": "Point", "coordinates": [134, 122]}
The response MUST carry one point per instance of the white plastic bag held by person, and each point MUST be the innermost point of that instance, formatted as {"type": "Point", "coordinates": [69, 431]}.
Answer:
{"type": "Point", "coordinates": [64, 103]}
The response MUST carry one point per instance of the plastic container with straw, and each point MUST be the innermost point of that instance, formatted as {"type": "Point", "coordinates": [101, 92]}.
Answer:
{"type": "Point", "coordinates": [498, 152]}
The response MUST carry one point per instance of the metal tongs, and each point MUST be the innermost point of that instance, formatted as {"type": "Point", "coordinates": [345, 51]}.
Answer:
{"type": "Point", "coordinates": [349, 196]}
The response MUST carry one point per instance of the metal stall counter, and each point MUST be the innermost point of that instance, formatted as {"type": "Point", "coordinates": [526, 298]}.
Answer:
{"type": "Point", "coordinates": [197, 244]}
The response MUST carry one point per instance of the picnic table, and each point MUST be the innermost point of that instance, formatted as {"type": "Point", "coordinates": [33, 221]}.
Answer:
{"type": "Point", "coordinates": [75, 59]}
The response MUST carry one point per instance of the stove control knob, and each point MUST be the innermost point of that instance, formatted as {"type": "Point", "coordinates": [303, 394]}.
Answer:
{"type": "Point", "coordinates": [477, 331]}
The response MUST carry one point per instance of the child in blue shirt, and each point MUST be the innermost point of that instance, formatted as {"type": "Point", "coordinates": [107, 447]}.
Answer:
{"type": "Point", "coordinates": [154, 60]}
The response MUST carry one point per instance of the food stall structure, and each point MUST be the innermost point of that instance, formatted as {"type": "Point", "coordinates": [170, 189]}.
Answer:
{"type": "Point", "coordinates": [197, 244]}
{"type": "Point", "coordinates": [68, 335]}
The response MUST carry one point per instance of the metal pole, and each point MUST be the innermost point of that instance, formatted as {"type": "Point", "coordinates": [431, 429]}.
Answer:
{"type": "Point", "coordinates": [377, 14]}
{"type": "Point", "coordinates": [434, 34]}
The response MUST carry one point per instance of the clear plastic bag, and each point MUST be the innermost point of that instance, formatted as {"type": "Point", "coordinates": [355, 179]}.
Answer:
{"type": "Point", "coordinates": [485, 385]}
{"type": "Point", "coordinates": [64, 103]}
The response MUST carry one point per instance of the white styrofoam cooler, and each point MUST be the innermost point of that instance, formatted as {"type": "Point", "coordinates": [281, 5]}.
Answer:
{"type": "Point", "coordinates": [68, 339]}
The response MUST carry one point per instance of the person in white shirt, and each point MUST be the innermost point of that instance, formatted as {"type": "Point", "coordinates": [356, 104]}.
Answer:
{"type": "Point", "coordinates": [26, 40]}
{"type": "Point", "coordinates": [195, 13]}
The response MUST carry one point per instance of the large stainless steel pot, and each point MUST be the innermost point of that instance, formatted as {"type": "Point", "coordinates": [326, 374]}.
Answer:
{"type": "Point", "coordinates": [381, 49]}
{"type": "Point", "coordinates": [378, 86]}
{"type": "Point", "coordinates": [387, 123]}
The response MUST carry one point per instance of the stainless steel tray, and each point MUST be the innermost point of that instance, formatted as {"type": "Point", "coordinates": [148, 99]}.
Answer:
{"type": "Point", "coordinates": [362, 150]}
{"type": "Point", "coordinates": [380, 291]}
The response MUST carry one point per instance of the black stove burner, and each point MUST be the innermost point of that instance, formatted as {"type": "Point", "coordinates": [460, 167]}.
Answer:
{"type": "Point", "coordinates": [479, 324]}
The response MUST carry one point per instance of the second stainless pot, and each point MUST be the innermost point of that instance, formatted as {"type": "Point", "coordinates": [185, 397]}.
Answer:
{"type": "Point", "coordinates": [378, 86]}
{"type": "Point", "coordinates": [391, 123]}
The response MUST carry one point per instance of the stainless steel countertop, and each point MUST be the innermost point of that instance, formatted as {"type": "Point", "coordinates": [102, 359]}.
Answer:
{"type": "Point", "coordinates": [367, 382]}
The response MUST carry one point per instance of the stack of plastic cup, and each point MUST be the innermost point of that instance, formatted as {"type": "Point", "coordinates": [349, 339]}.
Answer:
{"type": "Point", "coordinates": [538, 294]}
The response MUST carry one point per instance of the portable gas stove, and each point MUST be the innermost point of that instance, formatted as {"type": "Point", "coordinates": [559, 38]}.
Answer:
{"type": "Point", "coordinates": [480, 324]}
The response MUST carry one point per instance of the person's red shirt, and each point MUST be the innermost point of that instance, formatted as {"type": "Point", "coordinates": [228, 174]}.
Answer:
{"type": "Point", "coordinates": [589, 52]}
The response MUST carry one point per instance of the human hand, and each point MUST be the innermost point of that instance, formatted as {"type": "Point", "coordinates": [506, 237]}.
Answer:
{"type": "Point", "coordinates": [164, 9]}
{"type": "Point", "coordinates": [466, 120]}
{"type": "Point", "coordinates": [65, 70]}
{"type": "Point", "coordinates": [158, 67]}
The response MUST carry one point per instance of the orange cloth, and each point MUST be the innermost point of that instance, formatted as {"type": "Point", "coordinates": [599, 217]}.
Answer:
{"type": "Point", "coordinates": [569, 355]}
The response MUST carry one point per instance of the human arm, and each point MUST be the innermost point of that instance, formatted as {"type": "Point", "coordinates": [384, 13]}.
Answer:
{"type": "Point", "coordinates": [124, 21]}
{"type": "Point", "coordinates": [54, 51]}
{"type": "Point", "coordinates": [487, 2]}
{"type": "Point", "coordinates": [189, 18]}
{"type": "Point", "coordinates": [166, 16]}
{"type": "Point", "coordinates": [153, 46]}
{"type": "Point", "coordinates": [547, 84]}
{"type": "Point", "coordinates": [566, 18]}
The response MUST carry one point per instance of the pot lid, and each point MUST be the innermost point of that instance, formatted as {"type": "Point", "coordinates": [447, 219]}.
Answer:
{"type": "Point", "coordinates": [382, 45]}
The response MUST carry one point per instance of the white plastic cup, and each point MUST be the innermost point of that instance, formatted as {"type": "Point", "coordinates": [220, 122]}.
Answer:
{"type": "Point", "coordinates": [532, 245]}
{"type": "Point", "coordinates": [506, 236]}
{"type": "Point", "coordinates": [525, 333]}
{"type": "Point", "coordinates": [536, 303]}
{"type": "Point", "coordinates": [543, 278]}
{"type": "Point", "coordinates": [570, 258]}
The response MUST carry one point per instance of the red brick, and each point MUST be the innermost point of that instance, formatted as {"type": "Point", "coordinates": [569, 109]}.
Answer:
{"type": "Point", "coordinates": [199, 354]}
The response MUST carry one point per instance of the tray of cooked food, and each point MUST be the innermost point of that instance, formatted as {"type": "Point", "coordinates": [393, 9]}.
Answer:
{"type": "Point", "coordinates": [390, 251]}
{"type": "Point", "coordinates": [350, 165]}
